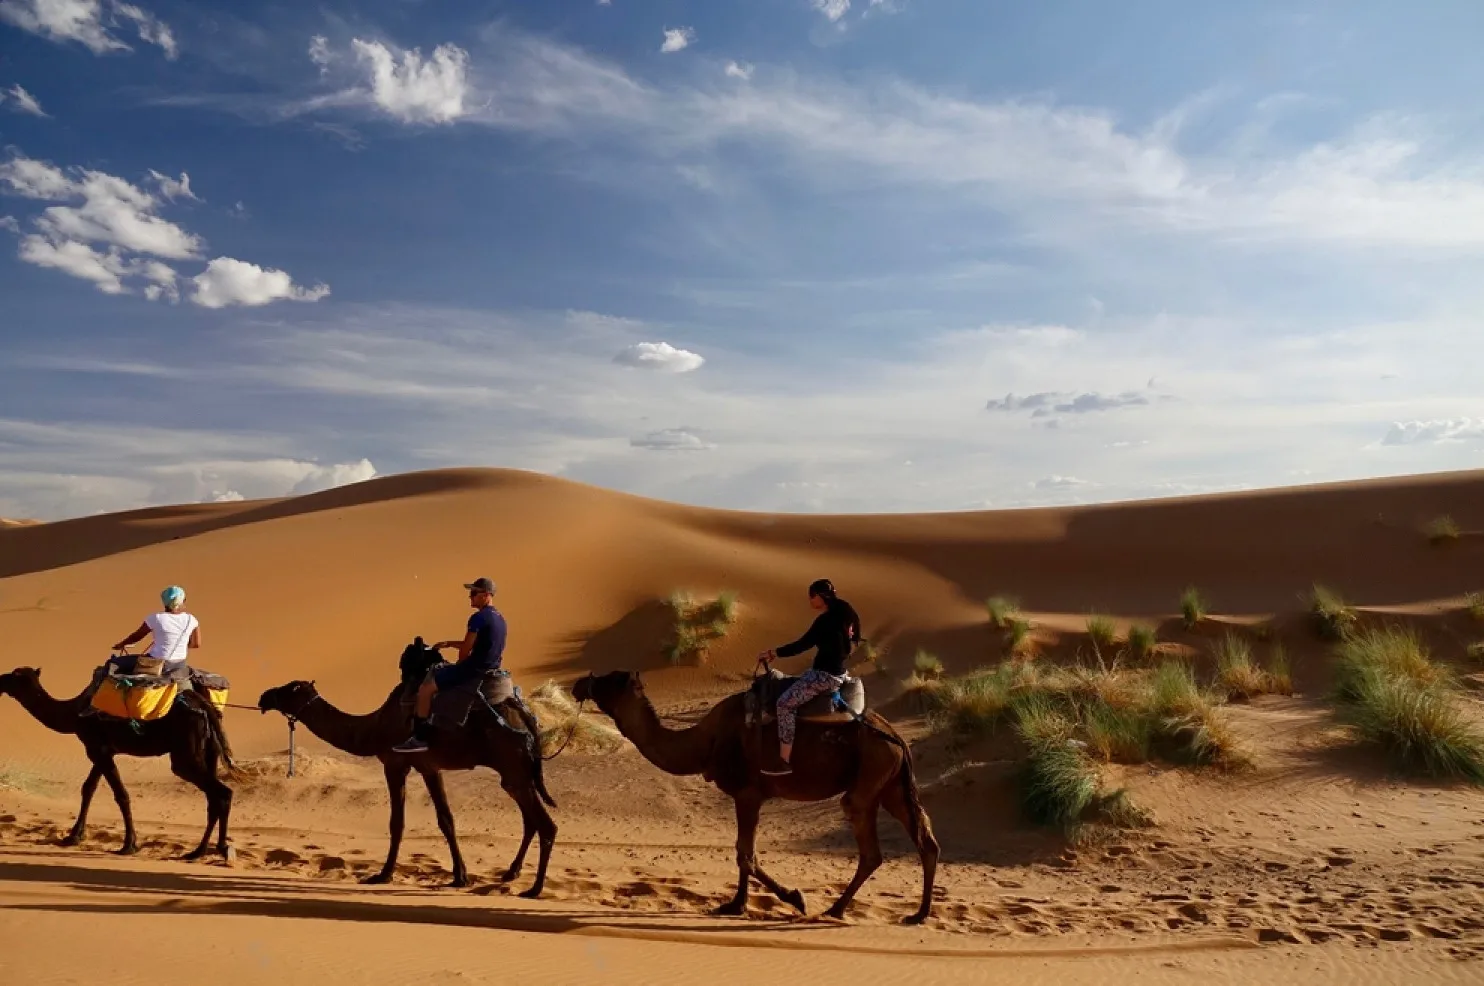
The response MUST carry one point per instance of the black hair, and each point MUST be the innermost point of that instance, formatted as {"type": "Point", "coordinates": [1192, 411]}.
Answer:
{"type": "Point", "coordinates": [823, 588]}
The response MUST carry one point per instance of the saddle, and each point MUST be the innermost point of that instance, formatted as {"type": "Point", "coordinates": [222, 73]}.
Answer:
{"type": "Point", "coordinates": [844, 704]}
{"type": "Point", "coordinates": [145, 693]}
{"type": "Point", "coordinates": [451, 706]}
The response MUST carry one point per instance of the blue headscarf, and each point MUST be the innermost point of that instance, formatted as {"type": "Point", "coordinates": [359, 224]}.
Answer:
{"type": "Point", "coordinates": [172, 597]}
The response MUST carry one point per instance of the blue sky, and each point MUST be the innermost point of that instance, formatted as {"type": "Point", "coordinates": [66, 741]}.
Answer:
{"type": "Point", "coordinates": [782, 254]}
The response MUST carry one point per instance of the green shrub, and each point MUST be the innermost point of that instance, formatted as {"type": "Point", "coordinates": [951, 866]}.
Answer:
{"type": "Point", "coordinates": [1019, 641]}
{"type": "Point", "coordinates": [1120, 735]}
{"type": "Point", "coordinates": [1391, 652]}
{"type": "Point", "coordinates": [1192, 607]}
{"type": "Point", "coordinates": [698, 625]}
{"type": "Point", "coordinates": [1001, 610]}
{"type": "Point", "coordinates": [927, 666]}
{"type": "Point", "coordinates": [1236, 675]}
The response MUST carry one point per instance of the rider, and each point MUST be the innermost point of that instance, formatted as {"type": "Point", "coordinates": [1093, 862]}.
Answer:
{"type": "Point", "coordinates": [833, 635]}
{"type": "Point", "coordinates": [175, 634]}
{"type": "Point", "coordinates": [481, 650]}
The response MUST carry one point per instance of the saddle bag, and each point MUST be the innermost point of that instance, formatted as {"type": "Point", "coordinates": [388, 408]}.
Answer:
{"type": "Point", "coordinates": [136, 696]}
{"type": "Point", "coordinates": [214, 687]}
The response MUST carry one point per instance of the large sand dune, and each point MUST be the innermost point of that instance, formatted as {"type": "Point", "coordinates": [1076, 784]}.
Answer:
{"type": "Point", "coordinates": [1316, 845]}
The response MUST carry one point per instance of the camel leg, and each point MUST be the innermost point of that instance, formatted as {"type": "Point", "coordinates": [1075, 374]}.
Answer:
{"type": "Point", "coordinates": [396, 789]}
{"type": "Point", "coordinates": [434, 781]}
{"type": "Point", "coordinates": [218, 804]}
{"type": "Point", "coordinates": [528, 825]}
{"type": "Point", "coordinates": [532, 807]}
{"type": "Point", "coordinates": [920, 831]}
{"type": "Point", "coordinates": [792, 897]}
{"type": "Point", "coordinates": [749, 807]}
{"type": "Point", "coordinates": [74, 837]}
{"type": "Point", "coordinates": [121, 796]}
{"type": "Point", "coordinates": [862, 814]}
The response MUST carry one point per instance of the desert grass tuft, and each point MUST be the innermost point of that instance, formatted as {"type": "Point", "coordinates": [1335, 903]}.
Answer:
{"type": "Point", "coordinates": [1332, 617]}
{"type": "Point", "coordinates": [1192, 607]}
{"type": "Point", "coordinates": [1142, 641]}
{"type": "Point", "coordinates": [1103, 633]}
{"type": "Point", "coordinates": [698, 625]}
{"type": "Point", "coordinates": [1118, 735]}
{"type": "Point", "coordinates": [1236, 674]}
{"type": "Point", "coordinates": [1280, 675]}
{"type": "Point", "coordinates": [1001, 609]}
{"type": "Point", "coordinates": [1019, 639]}
{"type": "Point", "coordinates": [1473, 603]}
{"type": "Point", "coordinates": [557, 713]}
{"type": "Point", "coordinates": [1476, 651]}
{"type": "Point", "coordinates": [927, 665]}
{"type": "Point", "coordinates": [1442, 530]}
{"type": "Point", "coordinates": [1391, 693]}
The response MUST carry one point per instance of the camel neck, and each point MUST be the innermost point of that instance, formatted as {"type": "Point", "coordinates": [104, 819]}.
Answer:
{"type": "Point", "coordinates": [58, 715]}
{"type": "Point", "coordinates": [360, 736]}
{"type": "Point", "coordinates": [675, 751]}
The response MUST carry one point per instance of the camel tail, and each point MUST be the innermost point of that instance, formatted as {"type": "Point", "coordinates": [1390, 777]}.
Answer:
{"type": "Point", "coordinates": [534, 728]}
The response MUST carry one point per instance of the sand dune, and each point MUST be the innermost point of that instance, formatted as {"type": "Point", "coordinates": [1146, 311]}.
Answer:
{"type": "Point", "coordinates": [1315, 850]}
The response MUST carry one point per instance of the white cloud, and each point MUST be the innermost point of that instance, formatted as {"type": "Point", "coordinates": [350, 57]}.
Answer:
{"type": "Point", "coordinates": [35, 179]}
{"type": "Point", "coordinates": [105, 270]}
{"type": "Point", "coordinates": [660, 356]}
{"type": "Point", "coordinates": [225, 496]}
{"type": "Point", "coordinates": [1434, 432]}
{"type": "Point", "coordinates": [88, 22]}
{"type": "Point", "coordinates": [413, 90]}
{"type": "Point", "coordinates": [10, 224]}
{"type": "Point", "coordinates": [670, 440]}
{"type": "Point", "coordinates": [319, 478]}
{"type": "Point", "coordinates": [832, 9]}
{"type": "Point", "coordinates": [1048, 402]}
{"type": "Point", "coordinates": [174, 188]}
{"type": "Point", "coordinates": [739, 70]}
{"type": "Point", "coordinates": [226, 281]}
{"type": "Point", "coordinates": [319, 53]}
{"type": "Point", "coordinates": [23, 100]}
{"type": "Point", "coordinates": [677, 39]}
{"type": "Point", "coordinates": [1059, 483]}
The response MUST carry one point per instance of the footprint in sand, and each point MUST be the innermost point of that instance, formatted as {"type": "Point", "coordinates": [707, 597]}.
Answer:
{"type": "Point", "coordinates": [282, 857]}
{"type": "Point", "coordinates": [331, 864]}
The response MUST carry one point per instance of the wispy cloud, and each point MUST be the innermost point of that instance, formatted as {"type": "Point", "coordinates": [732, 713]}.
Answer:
{"type": "Point", "coordinates": [670, 440]}
{"type": "Point", "coordinates": [660, 356]}
{"type": "Point", "coordinates": [1434, 432]}
{"type": "Point", "coordinates": [22, 101]}
{"type": "Point", "coordinates": [91, 23]}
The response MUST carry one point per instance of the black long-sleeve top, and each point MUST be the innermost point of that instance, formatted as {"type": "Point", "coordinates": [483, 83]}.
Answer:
{"type": "Point", "coordinates": [833, 635]}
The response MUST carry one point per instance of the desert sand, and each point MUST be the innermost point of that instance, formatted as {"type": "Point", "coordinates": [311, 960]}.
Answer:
{"type": "Point", "coordinates": [1316, 865]}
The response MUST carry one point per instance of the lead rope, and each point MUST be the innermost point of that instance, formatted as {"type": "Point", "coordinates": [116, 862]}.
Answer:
{"type": "Point", "coordinates": [576, 721]}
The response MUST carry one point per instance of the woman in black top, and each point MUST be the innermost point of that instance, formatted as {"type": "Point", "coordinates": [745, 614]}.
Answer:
{"type": "Point", "coordinates": [833, 635]}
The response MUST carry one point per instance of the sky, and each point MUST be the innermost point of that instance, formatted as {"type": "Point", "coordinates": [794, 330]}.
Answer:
{"type": "Point", "coordinates": [784, 255]}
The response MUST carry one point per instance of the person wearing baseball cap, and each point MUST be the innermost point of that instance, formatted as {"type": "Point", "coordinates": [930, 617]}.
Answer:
{"type": "Point", "coordinates": [481, 650]}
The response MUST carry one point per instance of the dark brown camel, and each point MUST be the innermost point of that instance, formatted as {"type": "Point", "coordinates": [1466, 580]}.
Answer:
{"type": "Point", "coordinates": [190, 733]}
{"type": "Point", "coordinates": [485, 740]}
{"type": "Point", "coordinates": [863, 759]}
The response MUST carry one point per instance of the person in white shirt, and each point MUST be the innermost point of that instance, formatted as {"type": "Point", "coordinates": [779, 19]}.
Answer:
{"type": "Point", "coordinates": [175, 634]}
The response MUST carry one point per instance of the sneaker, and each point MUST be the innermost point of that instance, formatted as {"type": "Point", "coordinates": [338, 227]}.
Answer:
{"type": "Point", "coordinates": [411, 745]}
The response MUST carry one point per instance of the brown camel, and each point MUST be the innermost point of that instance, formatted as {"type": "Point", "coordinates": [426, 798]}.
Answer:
{"type": "Point", "coordinates": [190, 733]}
{"type": "Point", "coordinates": [485, 740]}
{"type": "Point", "coordinates": [864, 759]}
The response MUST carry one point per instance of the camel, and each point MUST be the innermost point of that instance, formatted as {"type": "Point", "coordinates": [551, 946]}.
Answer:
{"type": "Point", "coordinates": [864, 759]}
{"type": "Point", "coordinates": [485, 740]}
{"type": "Point", "coordinates": [191, 733]}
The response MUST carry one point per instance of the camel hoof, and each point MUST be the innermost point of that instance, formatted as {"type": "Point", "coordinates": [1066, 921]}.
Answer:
{"type": "Point", "coordinates": [509, 876]}
{"type": "Point", "coordinates": [917, 918]}
{"type": "Point", "coordinates": [193, 855]}
{"type": "Point", "coordinates": [531, 894]}
{"type": "Point", "coordinates": [459, 883]}
{"type": "Point", "coordinates": [70, 841]}
{"type": "Point", "coordinates": [795, 900]}
{"type": "Point", "coordinates": [128, 850]}
{"type": "Point", "coordinates": [731, 909]}
{"type": "Point", "coordinates": [376, 878]}
{"type": "Point", "coordinates": [836, 913]}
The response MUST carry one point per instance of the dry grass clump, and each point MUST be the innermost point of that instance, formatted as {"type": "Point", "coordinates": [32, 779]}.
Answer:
{"type": "Point", "coordinates": [1332, 617]}
{"type": "Point", "coordinates": [698, 625]}
{"type": "Point", "coordinates": [1441, 530]}
{"type": "Point", "coordinates": [927, 665]}
{"type": "Point", "coordinates": [558, 715]}
{"type": "Point", "coordinates": [1103, 633]}
{"type": "Point", "coordinates": [1060, 785]}
{"type": "Point", "coordinates": [1473, 603]}
{"type": "Point", "coordinates": [868, 654]}
{"type": "Point", "coordinates": [1280, 676]}
{"type": "Point", "coordinates": [1476, 651]}
{"type": "Point", "coordinates": [1192, 606]}
{"type": "Point", "coordinates": [1390, 692]}
{"type": "Point", "coordinates": [1239, 677]}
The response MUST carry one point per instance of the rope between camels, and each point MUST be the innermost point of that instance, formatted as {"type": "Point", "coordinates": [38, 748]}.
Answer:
{"type": "Point", "coordinates": [576, 721]}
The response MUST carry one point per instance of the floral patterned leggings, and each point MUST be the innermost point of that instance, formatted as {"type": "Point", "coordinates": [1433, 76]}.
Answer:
{"type": "Point", "coordinates": [811, 684]}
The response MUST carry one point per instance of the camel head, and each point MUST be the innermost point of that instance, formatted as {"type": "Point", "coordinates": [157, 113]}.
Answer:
{"type": "Point", "coordinates": [28, 679]}
{"type": "Point", "coordinates": [290, 699]}
{"type": "Point", "coordinates": [607, 690]}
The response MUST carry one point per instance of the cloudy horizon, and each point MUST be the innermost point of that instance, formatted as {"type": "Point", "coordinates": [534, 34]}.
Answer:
{"type": "Point", "coordinates": [798, 255]}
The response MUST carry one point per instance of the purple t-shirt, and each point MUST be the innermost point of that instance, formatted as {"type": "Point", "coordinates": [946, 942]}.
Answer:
{"type": "Point", "coordinates": [488, 626]}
